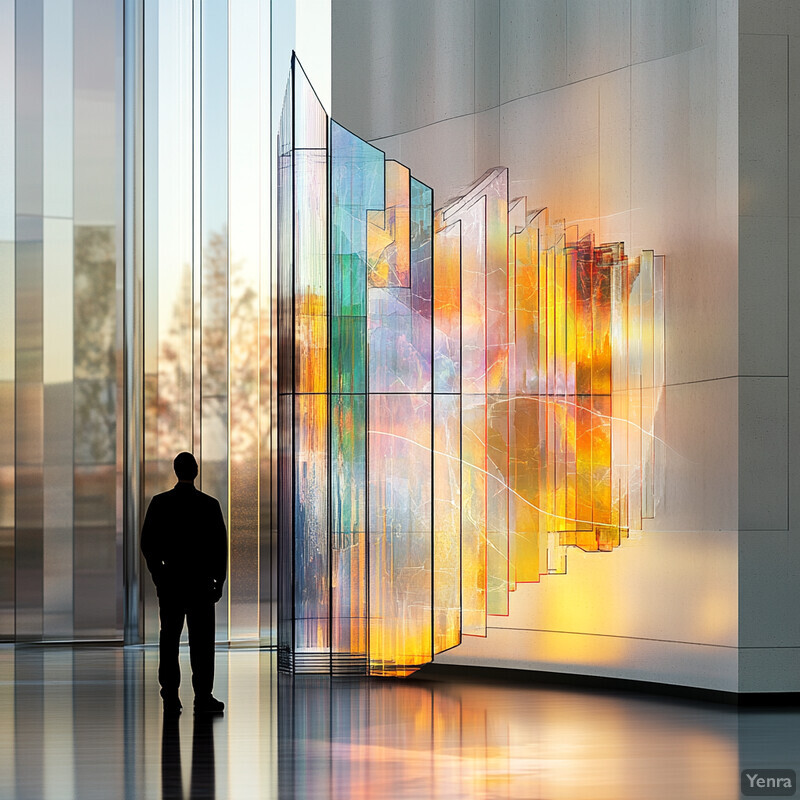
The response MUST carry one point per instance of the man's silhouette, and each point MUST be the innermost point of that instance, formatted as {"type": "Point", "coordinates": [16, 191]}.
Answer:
{"type": "Point", "coordinates": [185, 544]}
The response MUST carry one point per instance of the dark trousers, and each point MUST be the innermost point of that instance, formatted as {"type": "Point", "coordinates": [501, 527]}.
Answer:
{"type": "Point", "coordinates": [199, 617]}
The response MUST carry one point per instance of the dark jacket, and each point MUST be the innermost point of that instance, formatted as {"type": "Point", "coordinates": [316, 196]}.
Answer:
{"type": "Point", "coordinates": [185, 544]}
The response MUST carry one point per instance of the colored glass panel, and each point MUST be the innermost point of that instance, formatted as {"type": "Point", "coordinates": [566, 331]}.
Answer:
{"type": "Point", "coordinates": [447, 307]}
{"type": "Point", "coordinates": [349, 610]}
{"type": "Point", "coordinates": [357, 186]}
{"type": "Point", "coordinates": [400, 517]}
{"type": "Point", "coordinates": [447, 521]}
{"type": "Point", "coordinates": [311, 537]}
{"type": "Point", "coordinates": [310, 221]}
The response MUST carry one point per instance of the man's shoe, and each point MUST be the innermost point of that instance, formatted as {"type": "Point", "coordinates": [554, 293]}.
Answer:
{"type": "Point", "coordinates": [172, 706]}
{"type": "Point", "coordinates": [208, 705]}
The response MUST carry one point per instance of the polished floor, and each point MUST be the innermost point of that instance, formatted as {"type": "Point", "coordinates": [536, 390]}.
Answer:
{"type": "Point", "coordinates": [86, 722]}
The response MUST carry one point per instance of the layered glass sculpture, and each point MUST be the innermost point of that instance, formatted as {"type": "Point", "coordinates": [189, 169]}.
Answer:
{"type": "Point", "coordinates": [464, 394]}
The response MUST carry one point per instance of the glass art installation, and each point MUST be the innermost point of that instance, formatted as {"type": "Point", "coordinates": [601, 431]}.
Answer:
{"type": "Point", "coordinates": [463, 395]}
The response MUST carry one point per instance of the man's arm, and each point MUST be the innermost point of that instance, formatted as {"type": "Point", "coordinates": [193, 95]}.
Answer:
{"type": "Point", "coordinates": [150, 541]}
{"type": "Point", "coordinates": [220, 545]}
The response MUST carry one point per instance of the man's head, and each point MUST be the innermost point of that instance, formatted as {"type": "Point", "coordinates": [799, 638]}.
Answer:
{"type": "Point", "coordinates": [185, 467]}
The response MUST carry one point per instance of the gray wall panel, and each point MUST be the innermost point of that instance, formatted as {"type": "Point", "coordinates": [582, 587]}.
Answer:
{"type": "Point", "coordinates": [794, 126]}
{"type": "Point", "coordinates": [662, 28]}
{"type": "Point", "coordinates": [768, 471]}
{"type": "Point", "coordinates": [794, 376]}
{"type": "Point", "coordinates": [430, 44]}
{"type": "Point", "coordinates": [769, 17]}
{"type": "Point", "coordinates": [533, 47]}
{"type": "Point", "coordinates": [763, 295]}
{"type": "Point", "coordinates": [767, 589]}
{"type": "Point", "coordinates": [763, 454]}
{"type": "Point", "coordinates": [763, 123]}
{"type": "Point", "coordinates": [487, 54]}
{"type": "Point", "coordinates": [598, 37]}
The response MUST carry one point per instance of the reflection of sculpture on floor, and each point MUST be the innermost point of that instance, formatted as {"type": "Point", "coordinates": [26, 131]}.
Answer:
{"type": "Point", "coordinates": [186, 548]}
{"type": "Point", "coordinates": [462, 396]}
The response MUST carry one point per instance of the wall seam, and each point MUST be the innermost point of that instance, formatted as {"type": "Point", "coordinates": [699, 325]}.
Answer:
{"type": "Point", "coordinates": [616, 636]}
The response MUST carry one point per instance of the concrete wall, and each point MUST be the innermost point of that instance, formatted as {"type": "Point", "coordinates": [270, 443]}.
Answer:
{"type": "Point", "coordinates": [622, 116]}
{"type": "Point", "coordinates": [769, 355]}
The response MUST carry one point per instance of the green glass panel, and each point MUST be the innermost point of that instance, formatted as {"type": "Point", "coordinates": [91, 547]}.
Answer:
{"type": "Point", "coordinates": [348, 354]}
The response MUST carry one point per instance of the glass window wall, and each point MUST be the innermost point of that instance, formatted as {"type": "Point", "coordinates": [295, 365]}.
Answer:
{"type": "Point", "coordinates": [136, 310]}
{"type": "Point", "coordinates": [60, 368]}
{"type": "Point", "coordinates": [207, 282]}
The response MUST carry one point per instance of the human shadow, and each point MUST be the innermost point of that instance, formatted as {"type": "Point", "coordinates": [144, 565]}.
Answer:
{"type": "Point", "coordinates": [171, 777]}
{"type": "Point", "coordinates": [203, 775]}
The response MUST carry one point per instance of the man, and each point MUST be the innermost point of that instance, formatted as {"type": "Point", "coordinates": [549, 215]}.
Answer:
{"type": "Point", "coordinates": [185, 545]}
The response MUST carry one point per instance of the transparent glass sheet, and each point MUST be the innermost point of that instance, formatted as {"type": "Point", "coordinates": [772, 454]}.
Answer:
{"type": "Point", "coordinates": [310, 237]}
{"type": "Point", "coordinates": [285, 543]}
{"type": "Point", "coordinates": [57, 342]}
{"type": "Point", "coordinates": [497, 350]}
{"type": "Point", "coordinates": [7, 318]}
{"type": "Point", "coordinates": [349, 556]}
{"type": "Point", "coordinates": [7, 434]}
{"type": "Point", "coordinates": [447, 521]}
{"type": "Point", "coordinates": [474, 487]}
{"type": "Point", "coordinates": [207, 286]}
{"type": "Point", "coordinates": [474, 468]}
{"type": "Point", "coordinates": [483, 214]}
{"type": "Point", "coordinates": [28, 487]}
{"type": "Point", "coordinates": [285, 386]}
{"type": "Point", "coordinates": [285, 247]}
{"type": "Point", "coordinates": [150, 479]}
{"type": "Point", "coordinates": [304, 536]}
{"type": "Point", "coordinates": [658, 431]}
{"type": "Point", "coordinates": [447, 307]}
{"type": "Point", "coordinates": [95, 432]}
{"type": "Point", "coordinates": [389, 241]}
{"type": "Point", "coordinates": [97, 316]}
{"type": "Point", "coordinates": [244, 149]}
{"type": "Point", "coordinates": [634, 392]}
{"type": "Point", "coordinates": [311, 544]}
{"type": "Point", "coordinates": [399, 286]}
{"type": "Point", "coordinates": [211, 359]}
{"type": "Point", "coordinates": [648, 382]}
{"type": "Point", "coordinates": [357, 186]}
{"type": "Point", "coordinates": [168, 257]}
{"type": "Point", "coordinates": [57, 338]}
{"type": "Point", "coordinates": [400, 568]}
{"type": "Point", "coordinates": [29, 498]}
{"type": "Point", "coordinates": [602, 512]}
{"type": "Point", "coordinates": [421, 281]}
{"type": "Point", "coordinates": [267, 411]}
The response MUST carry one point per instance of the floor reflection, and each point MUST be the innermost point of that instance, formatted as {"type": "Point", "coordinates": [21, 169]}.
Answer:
{"type": "Point", "coordinates": [171, 775]}
{"type": "Point", "coordinates": [87, 722]}
{"type": "Point", "coordinates": [203, 774]}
